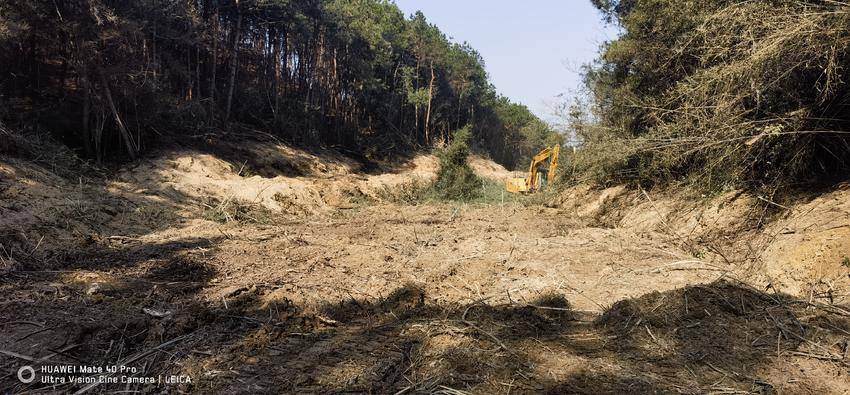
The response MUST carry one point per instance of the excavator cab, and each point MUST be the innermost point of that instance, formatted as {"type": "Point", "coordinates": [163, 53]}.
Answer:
{"type": "Point", "coordinates": [541, 172]}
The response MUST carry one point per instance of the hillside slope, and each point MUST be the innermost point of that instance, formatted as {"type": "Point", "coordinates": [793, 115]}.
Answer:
{"type": "Point", "coordinates": [295, 271]}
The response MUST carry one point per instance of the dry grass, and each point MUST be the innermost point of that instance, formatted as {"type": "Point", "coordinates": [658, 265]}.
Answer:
{"type": "Point", "coordinates": [235, 210]}
{"type": "Point", "coordinates": [766, 105]}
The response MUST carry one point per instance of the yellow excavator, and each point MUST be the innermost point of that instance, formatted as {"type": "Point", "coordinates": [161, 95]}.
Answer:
{"type": "Point", "coordinates": [540, 173]}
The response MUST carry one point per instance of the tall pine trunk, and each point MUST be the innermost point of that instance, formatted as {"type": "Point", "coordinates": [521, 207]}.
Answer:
{"type": "Point", "coordinates": [428, 110]}
{"type": "Point", "coordinates": [213, 63]}
{"type": "Point", "coordinates": [275, 37]}
{"type": "Point", "coordinates": [234, 62]}
{"type": "Point", "coordinates": [84, 85]}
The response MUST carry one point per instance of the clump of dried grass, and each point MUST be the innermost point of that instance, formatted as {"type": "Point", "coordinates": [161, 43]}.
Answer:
{"type": "Point", "coordinates": [235, 210]}
{"type": "Point", "coordinates": [412, 192]}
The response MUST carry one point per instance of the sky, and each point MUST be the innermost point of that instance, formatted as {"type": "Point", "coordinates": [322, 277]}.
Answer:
{"type": "Point", "coordinates": [532, 49]}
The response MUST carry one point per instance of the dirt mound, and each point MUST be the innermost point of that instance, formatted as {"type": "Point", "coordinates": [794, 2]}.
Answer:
{"type": "Point", "coordinates": [486, 168]}
{"type": "Point", "coordinates": [807, 250]}
{"type": "Point", "coordinates": [198, 179]}
{"type": "Point", "coordinates": [28, 194]}
{"type": "Point", "coordinates": [800, 247]}
{"type": "Point", "coordinates": [273, 158]}
{"type": "Point", "coordinates": [249, 180]}
{"type": "Point", "coordinates": [612, 290]}
{"type": "Point", "coordinates": [44, 216]}
{"type": "Point", "coordinates": [422, 168]}
{"type": "Point", "coordinates": [301, 183]}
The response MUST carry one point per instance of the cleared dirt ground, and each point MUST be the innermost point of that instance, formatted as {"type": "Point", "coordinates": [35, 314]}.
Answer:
{"type": "Point", "coordinates": [275, 270]}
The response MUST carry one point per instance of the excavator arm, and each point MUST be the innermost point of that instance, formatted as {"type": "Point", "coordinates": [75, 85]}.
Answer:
{"type": "Point", "coordinates": [534, 181]}
{"type": "Point", "coordinates": [553, 163]}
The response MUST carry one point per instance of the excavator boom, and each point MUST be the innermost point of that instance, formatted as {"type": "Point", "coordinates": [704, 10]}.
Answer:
{"type": "Point", "coordinates": [539, 174]}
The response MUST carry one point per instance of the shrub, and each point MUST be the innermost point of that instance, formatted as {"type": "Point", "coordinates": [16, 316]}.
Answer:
{"type": "Point", "coordinates": [723, 93]}
{"type": "Point", "coordinates": [456, 180]}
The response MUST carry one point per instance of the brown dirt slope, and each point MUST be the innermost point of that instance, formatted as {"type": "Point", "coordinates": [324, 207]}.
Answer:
{"type": "Point", "coordinates": [290, 273]}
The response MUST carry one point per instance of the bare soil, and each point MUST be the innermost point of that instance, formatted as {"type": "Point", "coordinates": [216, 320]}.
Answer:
{"type": "Point", "coordinates": [268, 270]}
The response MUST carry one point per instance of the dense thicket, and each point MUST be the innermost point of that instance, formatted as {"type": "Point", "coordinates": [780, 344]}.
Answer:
{"type": "Point", "coordinates": [110, 76]}
{"type": "Point", "coordinates": [721, 92]}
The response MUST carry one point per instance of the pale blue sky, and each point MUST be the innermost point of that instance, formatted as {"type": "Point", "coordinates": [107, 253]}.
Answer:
{"type": "Point", "coordinates": [533, 49]}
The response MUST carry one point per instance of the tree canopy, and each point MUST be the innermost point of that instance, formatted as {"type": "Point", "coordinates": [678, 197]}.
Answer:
{"type": "Point", "coordinates": [110, 77]}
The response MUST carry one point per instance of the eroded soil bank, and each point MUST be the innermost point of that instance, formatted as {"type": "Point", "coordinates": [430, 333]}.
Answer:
{"type": "Point", "coordinates": [277, 270]}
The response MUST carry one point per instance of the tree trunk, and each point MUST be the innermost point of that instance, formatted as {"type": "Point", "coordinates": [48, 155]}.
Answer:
{"type": "Point", "coordinates": [125, 135]}
{"type": "Point", "coordinates": [275, 37]}
{"type": "Point", "coordinates": [213, 64]}
{"type": "Point", "coordinates": [98, 136]}
{"type": "Point", "coordinates": [198, 72]}
{"type": "Point", "coordinates": [84, 83]}
{"type": "Point", "coordinates": [190, 84]}
{"type": "Point", "coordinates": [285, 68]}
{"type": "Point", "coordinates": [428, 110]}
{"type": "Point", "coordinates": [234, 62]}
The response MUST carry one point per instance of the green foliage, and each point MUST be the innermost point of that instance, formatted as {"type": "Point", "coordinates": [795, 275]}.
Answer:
{"type": "Point", "coordinates": [357, 74]}
{"type": "Point", "coordinates": [720, 93]}
{"type": "Point", "coordinates": [493, 192]}
{"type": "Point", "coordinates": [512, 134]}
{"type": "Point", "coordinates": [418, 97]}
{"type": "Point", "coordinates": [456, 180]}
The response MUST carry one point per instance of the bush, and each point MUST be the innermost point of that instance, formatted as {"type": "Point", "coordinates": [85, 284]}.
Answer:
{"type": "Point", "coordinates": [722, 93]}
{"type": "Point", "coordinates": [456, 180]}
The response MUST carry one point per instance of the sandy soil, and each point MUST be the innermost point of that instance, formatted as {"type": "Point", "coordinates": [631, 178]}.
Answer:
{"type": "Point", "coordinates": [297, 273]}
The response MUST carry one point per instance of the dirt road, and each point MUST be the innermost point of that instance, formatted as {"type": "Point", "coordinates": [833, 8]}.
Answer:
{"type": "Point", "coordinates": [382, 297]}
